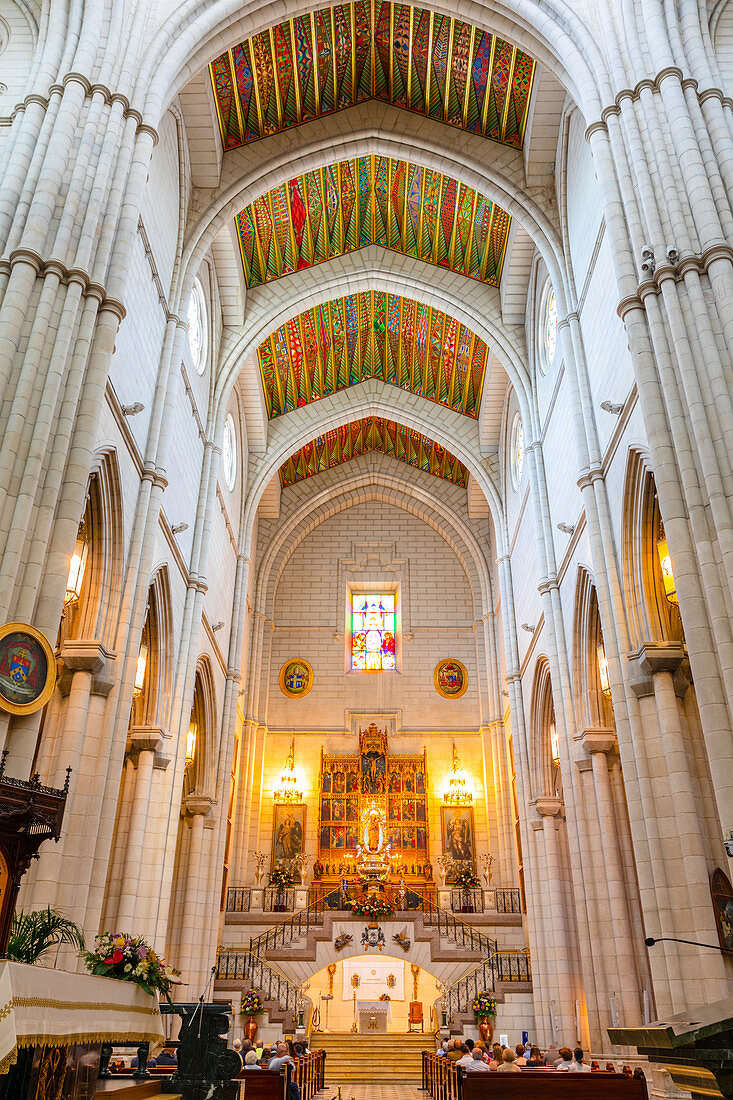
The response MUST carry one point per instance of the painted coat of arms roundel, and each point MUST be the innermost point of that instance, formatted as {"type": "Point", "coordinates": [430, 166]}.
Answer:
{"type": "Point", "coordinates": [296, 678]}
{"type": "Point", "coordinates": [450, 678]}
{"type": "Point", "coordinates": [27, 669]}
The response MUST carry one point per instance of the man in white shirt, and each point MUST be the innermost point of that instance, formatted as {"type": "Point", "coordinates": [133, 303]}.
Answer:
{"type": "Point", "coordinates": [477, 1064]}
{"type": "Point", "coordinates": [578, 1065]}
{"type": "Point", "coordinates": [466, 1058]}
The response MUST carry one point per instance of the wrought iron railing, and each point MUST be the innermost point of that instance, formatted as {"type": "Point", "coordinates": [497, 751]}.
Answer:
{"type": "Point", "coordinates": [279, 899]}
{"type": "Point", "coordinates": [239, 899]}
{"type": "Point", "coordinates": [502, 966]}
{"type": "Point", "coordinates": [468, 899]}
{"type": "Point", "coordinates": [246, 966]}
{"type": "Point", "coordinates": [508, 901]}
{"type": "Point", "coordinates": [294, 927]}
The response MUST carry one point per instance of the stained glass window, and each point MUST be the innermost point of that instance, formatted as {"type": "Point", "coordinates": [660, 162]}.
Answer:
{"type": "Point", "coordinates": [197, 340]}
{"type": "Point", "coordinates": [517, 450]}
{"type": "Point", "coordinates": [548, 333]}
{"type": "Point", "coordinates": [229, 452]}
{"type": "Point", "coordinates": [372, 632]}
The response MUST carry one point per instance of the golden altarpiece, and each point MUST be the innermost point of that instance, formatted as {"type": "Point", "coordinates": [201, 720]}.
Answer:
{"type": "Point", "coordinates": [382, 785]}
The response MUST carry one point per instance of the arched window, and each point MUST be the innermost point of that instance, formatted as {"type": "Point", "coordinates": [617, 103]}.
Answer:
{"type": "Point", "coordinates": [593, 698]}
{"type": "Point", "coordinates": [229, 452]}
{"type": "Point", "coordinates": [151, 684]}
{"type": "Point", "coordinates": [198, 340]}
{"type": "Point", "coordinates": [547, 779]}
{"type": "Point", "coordinates": [648, 560]}
{"type": "Point", "coordinates": [516, 451]}
{"type": "Point", "coordinates": [547, 328]}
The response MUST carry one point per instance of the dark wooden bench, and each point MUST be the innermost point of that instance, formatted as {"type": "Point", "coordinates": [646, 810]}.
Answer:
{"type": "Point", "coordinates": [538, 1084]}
{"type": "Point", "coordinates": [263, 1084]}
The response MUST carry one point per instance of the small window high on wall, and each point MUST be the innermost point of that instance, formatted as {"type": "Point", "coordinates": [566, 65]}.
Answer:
{"type": "Point", "coordinates": [372, 632]}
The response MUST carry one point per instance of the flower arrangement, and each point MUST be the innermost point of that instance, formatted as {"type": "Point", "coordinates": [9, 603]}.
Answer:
{"type": "Point", "coordinates": [281, 876]}
{"type": "Point", "coordinates": [252, 1003]}
{"type": "Point", "coordinates": [465, 878]}
{"type": "Point", "coordinates": [131, 959]}
{"type": "Point", "coordinates": [385, 997]}
{"type": "Point", "coordinates": [371, 907]}
{"type": "Point", "coordinates": [484, 1005]}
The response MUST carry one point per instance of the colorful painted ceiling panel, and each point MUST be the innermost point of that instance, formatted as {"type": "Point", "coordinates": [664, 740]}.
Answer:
{"type": "Point", "coordinates": [372, 335]}
{"type": "Point", "coordinates": [311, 66]}
{"type": "Point", "coordinates": [372, 433]}
{"type": "Point", "coordinates": [372, 200]}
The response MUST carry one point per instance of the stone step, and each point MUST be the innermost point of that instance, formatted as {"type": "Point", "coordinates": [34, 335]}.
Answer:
{"type": "Point", "coordinates": [382, 1056]}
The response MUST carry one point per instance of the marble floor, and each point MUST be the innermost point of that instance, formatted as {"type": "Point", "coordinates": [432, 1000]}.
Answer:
{"type": "Point", "coordinates": [376, 1091]}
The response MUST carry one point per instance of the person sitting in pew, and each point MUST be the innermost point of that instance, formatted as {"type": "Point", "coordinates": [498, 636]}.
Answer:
{"type": "Point", "coordinates": [466, 1057]}
{"type": "Point", "coordinates": [578, 1065]}
{"type": "Point", "coordinates": [508, 1064]}
{"type": "Point", "coordinates": [477, 1064]}
{"type": "Point", "coordinates": [495, 1056]}
{"type": "Point", "coordinates": [519, 1051]}
{"type": "Point", "coordinates": [250, 1060]}
{"type": "Point", "coordinates": [535, 1059]}
{"type": "Point", "coordinates": [565, 1061]}
{"type": "Point", "coordinates": [551, 1055]}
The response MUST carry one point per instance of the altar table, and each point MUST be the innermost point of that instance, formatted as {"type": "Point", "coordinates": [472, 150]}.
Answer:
{"type": "Point", "coordinates": [373, 1015]}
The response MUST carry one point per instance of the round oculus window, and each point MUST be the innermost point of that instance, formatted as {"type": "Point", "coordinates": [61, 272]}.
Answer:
{"type": "Point", "coordinates": [229, 453]}
{"type": "Point", "coordinates": [197, 338]}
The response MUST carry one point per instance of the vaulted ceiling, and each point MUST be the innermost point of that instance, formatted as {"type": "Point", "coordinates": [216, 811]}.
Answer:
{"type": "Point", "coordinates": [372, 200]}
{"type": "Point", "coordinates": [439, 67]}
{"type": "Point", "coordinates": [372, 335]}
{"type": "Point", "coordinates": [372, 433]}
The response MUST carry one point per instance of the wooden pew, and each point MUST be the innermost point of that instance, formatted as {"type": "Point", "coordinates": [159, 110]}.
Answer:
{"type": "Point", "coordinates": [263, 1084]}
{"type": "Point", "coordinates": [538, 1084]}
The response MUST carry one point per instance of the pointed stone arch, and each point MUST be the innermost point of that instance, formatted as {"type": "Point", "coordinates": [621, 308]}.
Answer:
{"type": "Point", "coordinates": [592, 708]}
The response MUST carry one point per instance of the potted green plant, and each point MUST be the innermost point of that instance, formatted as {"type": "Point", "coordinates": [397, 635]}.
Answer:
{"type": "Point", "coordinates": [33, 934]}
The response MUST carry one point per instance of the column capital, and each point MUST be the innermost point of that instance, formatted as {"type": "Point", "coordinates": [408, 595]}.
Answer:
{"type": "Point", "coordinates": [654, 657]}
{"type": "Point", "coordinates": [548, 807]}
{"type": "Point", "coordinates": [89, 655]}
{"type": "Point", "coordinates": [145, 739]}
{"type": "Point", "coordinates": [197, 805]}
{"type": "Point", "coordinates": [599, 739]}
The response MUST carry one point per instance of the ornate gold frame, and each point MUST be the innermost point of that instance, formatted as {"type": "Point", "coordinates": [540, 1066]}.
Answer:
{"type": "Point", "coordinates": [45, 695]}
{"type": "Point", "coordinates": [284, 690]}
{"type": "Point", "coordinates": [438, 688]}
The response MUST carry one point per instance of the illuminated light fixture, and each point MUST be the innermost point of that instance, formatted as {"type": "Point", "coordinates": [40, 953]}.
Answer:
{"type": "Point", "coordinates": [191, 743]}
{"type": "Point", "coordinates": [670, 588]}
{"type": "Point", "coordinates": [554, 744]}
{"type": "Point", "coordinates": [142, 660]}
{"type": "Point", "coordinates": [458, 793]}
{"type": "Point", "coordinates": [288, 789]}
{"type": "Point", "coordinates": [603, 670]}
{"type": "Point", "coordinates": [77, 565]}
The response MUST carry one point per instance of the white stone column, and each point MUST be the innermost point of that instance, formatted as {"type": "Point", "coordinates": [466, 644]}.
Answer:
{"type": "Point", "coordinates": [561, 969]}
{"type": "Point", "coordinates": [196, 886]}
{"type": "Point", "coordinates": [611, 879]}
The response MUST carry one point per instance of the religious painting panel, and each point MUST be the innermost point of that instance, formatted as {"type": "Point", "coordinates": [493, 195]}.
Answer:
{"type": "Point", "coordinates": [458, 835]}
{"type": "Point", "coordinates": [288, 832]}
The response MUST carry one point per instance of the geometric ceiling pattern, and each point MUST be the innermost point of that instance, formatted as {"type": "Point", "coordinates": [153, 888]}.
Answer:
{"type": "Point", "coordinates": [372, 335]}
{"type": "Point", "coordinates": [372, 200]}
{"type": "Point", "coordinates": [313, 65]}
{"type": "Point", "coordinates": [372, 433]}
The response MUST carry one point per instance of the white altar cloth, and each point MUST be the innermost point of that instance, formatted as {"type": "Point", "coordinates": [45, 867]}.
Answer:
{"type": "Point", "coordinates": [39, 1005]}
{"type": "Point", "coordinates": [380, 1011]}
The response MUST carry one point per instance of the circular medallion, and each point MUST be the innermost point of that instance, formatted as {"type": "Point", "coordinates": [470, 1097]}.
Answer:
{"type": "Point", "coordinates": [296, 678]}
{"type": "Point", "coordinates": [450, 678]}
{"type": "Point", "coordinates": [27, 669]}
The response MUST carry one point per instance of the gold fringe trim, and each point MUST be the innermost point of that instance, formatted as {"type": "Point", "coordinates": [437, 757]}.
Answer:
{"type": "Point", "coordinates": [75, 1006]}
{"type": "Point", "coordinates": [8, 1061]}
{"type": "Point", "coordinates": [89, 1037]}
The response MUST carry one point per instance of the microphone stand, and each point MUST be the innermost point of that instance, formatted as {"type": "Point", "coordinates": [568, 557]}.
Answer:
{"type": "Point", "coordinates": [200, 1009]}
{"type": "Point", "coordinates": [651, 940]}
